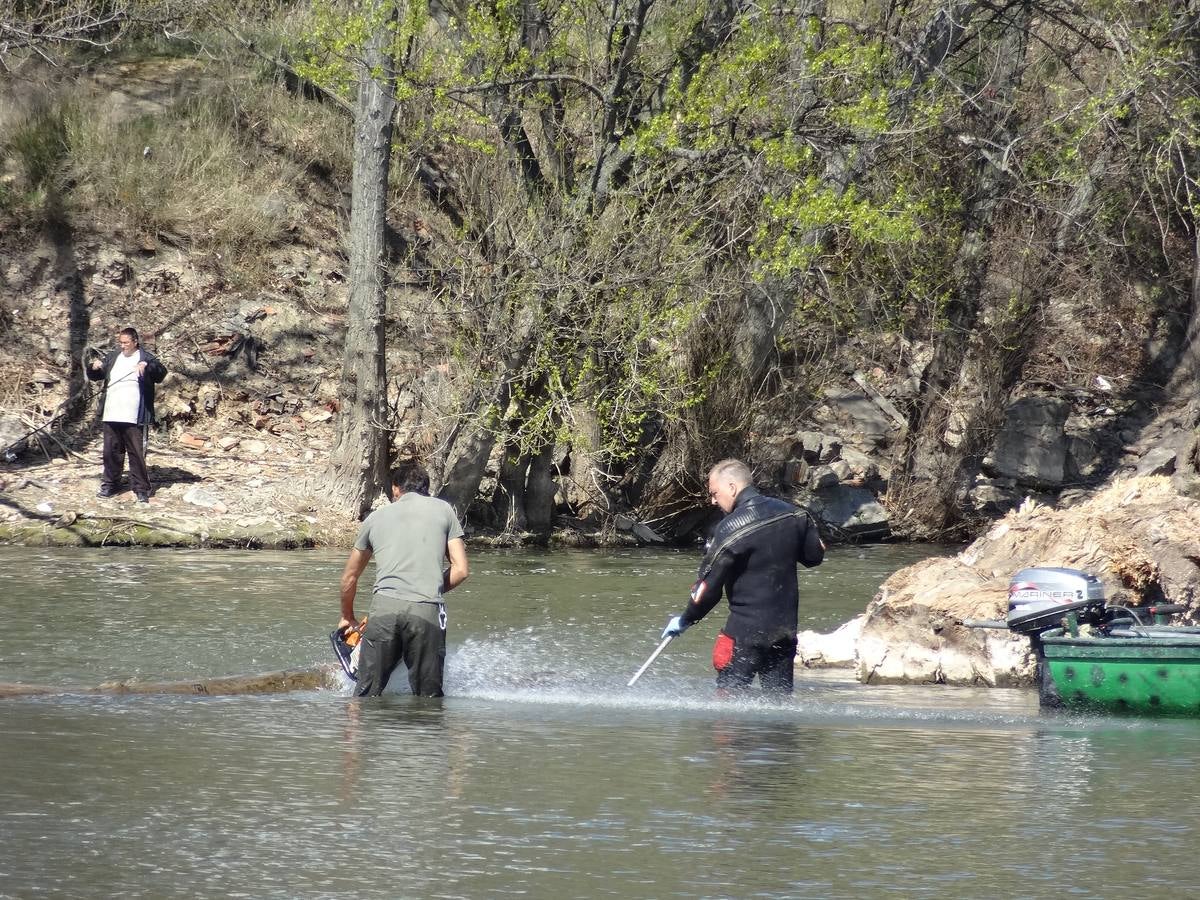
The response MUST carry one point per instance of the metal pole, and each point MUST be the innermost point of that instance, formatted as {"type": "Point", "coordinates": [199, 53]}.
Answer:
{"type": "Point", "coordinates": [653, 657]}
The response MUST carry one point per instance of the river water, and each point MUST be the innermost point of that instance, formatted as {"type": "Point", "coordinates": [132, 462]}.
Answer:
{"type": "Point", "coordinates": [541, 775]}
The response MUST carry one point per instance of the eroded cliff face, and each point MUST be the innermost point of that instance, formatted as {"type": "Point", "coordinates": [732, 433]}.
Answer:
{"type": "Point", "coordinates": [1140, 536]}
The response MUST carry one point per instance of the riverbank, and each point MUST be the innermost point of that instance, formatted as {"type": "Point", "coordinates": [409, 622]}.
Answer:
{"type": "Point", "coordinates": [258, 498]}
{"type": "Point", "coordinates": [199, 500]}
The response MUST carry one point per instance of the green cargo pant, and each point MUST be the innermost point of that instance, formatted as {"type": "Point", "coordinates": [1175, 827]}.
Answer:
{"type": "Point", "coordinates": [416, 635]}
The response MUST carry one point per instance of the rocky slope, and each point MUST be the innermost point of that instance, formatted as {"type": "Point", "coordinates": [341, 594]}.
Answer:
{"type": "Point", "coordinates": [254, 349]}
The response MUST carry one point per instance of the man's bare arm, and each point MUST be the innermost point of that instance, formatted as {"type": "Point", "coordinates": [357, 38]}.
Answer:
{"type": "Point", "coordinates": [459, 571]}
{"type": "Point", "coordinates": [354, 568]}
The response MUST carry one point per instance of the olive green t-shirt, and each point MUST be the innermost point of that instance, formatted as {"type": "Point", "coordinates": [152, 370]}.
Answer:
{"type": "Point", "coordinates": [407, 539]}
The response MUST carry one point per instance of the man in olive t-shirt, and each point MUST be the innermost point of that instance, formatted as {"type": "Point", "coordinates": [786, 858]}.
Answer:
{"type": "Point", "coordinates": [409, 539]}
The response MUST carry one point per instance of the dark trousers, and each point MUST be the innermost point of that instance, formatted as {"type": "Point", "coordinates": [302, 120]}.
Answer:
{"type": "Point", "coordinates": [416, 636]}
{"type": "Point", "coordinates": [737, 664]}
{"type": "Point", "coordinates": [120, 439]}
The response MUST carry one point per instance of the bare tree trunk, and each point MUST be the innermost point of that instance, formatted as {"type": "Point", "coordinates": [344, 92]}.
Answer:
{"type": "Point", "coordinates": [540, 488]}
{"type": "Point", "coordinates": [358, 461]}
{"type": "Point", "coordinates": [462, 478]}
{"type": "Point", "coordinates": [587, 481]}
{"type": "Point", "coordinates": [464, 456]}
{"type": "Point", "coordinates": [468, 450]}
{"type": "Point", "coordinates": [509, 501]}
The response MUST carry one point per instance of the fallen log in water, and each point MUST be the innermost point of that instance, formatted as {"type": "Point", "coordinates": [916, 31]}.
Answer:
{"type": "Point", "coordinates": [325, 677]}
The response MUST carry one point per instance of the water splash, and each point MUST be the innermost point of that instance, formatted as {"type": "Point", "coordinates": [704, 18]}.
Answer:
{"type": "Point", "coordinates": [535, 667]}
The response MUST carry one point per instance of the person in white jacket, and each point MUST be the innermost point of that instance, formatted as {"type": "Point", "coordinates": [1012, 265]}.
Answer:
{"type": "Point", "coordinates": [130, 375]}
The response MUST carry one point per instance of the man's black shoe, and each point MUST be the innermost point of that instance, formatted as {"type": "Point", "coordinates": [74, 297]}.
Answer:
{"type": "Point", "coordinates": [105, 492]}
{"type": "Point", "coordinates": [143, 498]}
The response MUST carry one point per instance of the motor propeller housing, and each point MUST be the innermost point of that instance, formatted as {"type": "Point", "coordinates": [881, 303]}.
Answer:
{"type": "Point", "coordinates": [1038, 598]}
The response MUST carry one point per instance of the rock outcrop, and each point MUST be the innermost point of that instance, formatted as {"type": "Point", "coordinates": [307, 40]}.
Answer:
{"type": "Point", "coordinates": [1140, 536]}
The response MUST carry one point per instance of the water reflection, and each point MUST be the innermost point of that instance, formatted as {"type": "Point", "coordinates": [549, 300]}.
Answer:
{"type": "Point", "coordinates": [756, 761]}
{"type": "Point", "coordinates": [437, 750]}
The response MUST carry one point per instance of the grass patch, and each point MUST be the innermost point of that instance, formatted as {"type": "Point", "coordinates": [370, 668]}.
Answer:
{"type": "Point", "coordinates": [40, 143]}
{"type": "Point", "coordinates": [33, 156]}
{"type": "Point", "coordinates": [196, 141]}
{"type": "Point", "coordinates": [188, 172]}
{"type": "Point", "coordinates": [311, 134]}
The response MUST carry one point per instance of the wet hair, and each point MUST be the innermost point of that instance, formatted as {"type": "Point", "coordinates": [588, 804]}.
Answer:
{"type": "Point", "coordinates": [130, 333]}
{"type": "Point", "coordinates": [411, 477]}
{"type": "Point", "coordinates": [733, 469]}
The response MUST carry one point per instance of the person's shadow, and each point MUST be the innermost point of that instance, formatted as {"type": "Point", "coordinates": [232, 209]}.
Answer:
{"type": "Point", "coordinates": [164, 475]}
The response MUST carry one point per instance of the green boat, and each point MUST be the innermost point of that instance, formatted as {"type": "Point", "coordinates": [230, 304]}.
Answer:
{"type": "Point", "coordinates": [1148, 670]}
{"type": "Point", "coordinates": [1092, 656]}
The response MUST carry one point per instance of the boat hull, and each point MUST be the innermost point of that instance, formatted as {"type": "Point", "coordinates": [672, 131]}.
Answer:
{"type": "Point", "coordinates": [1154, 674]}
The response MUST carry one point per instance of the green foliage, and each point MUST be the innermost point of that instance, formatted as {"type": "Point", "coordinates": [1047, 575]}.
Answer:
{"type": "Point", "coordinates": [854, 74]}
{"type": "Point", "coordinates": [331, 49]}
{"type": "Point", "coordinates": [335, 38]}
{"type": "Point", "coordinates": [785, 245]}
{"type": "Point", "coordinates": [728, 88]}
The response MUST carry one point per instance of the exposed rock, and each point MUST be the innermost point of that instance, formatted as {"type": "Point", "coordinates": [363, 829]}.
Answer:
{"type": "Point", "coordinates": [852, 512]}
{"type": "Point", "coordinates": [644, 533]}
{"type": "Point", "coordinates": [860, 416]}
{"type": "Point", "coordinates": [198, 496]}
{"type": "Point", "coordinates": [12, 433]}
{"type": "Point", "coordinates": [1032, 445]}
{"type": "Point", "coordinates": [861, 464]}
{"type": "Point", "coordinates": [111, 268]}
{"type": "Point", "coordinates": [992, 496]}
{"type": "Point", "coordinates": [1073, 497]}
{"type": "Point", "coordinates": [795, 472]}
{"type": "Point", "coordinates": [811, 442]}
{"type": "Point", "coordinates": [822, 477]}
{"type": "Point", "coordinates": [831, 449]}
{"type": "Point", "coordinates": [1084, 456]}
{"type": "Point", "coordinates": [881, 401]}
{"type": "Point", "coordinates": [1139, 536]}
{"type": "Point", "coordinates": [1159, 461]}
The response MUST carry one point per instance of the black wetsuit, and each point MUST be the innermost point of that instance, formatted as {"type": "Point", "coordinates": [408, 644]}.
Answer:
{"type": "Point", "coordinates": [752, 558]}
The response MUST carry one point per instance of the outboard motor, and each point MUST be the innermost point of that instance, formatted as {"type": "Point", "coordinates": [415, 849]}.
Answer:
{"type": "Point", "coordinates": [1038, 598]}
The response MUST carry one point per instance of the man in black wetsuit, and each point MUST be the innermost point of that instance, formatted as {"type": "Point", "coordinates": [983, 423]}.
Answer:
{"type": "Point", "coordinates": [752, 558]}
